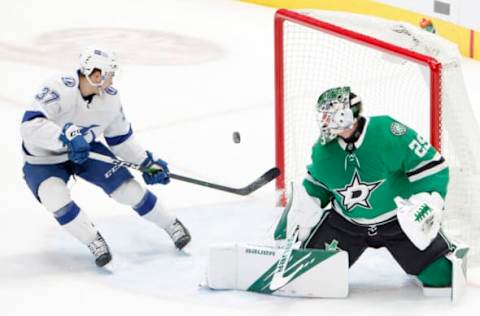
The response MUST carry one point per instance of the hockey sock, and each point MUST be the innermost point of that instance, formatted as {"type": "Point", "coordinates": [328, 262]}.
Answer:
{"type": "Point", "coordinates": [76, 222]}
{"type": "Point", "coordinates": [150, 209]}
{"type": "Point", "coordinates": [67, 213]}
{"type": "Point", "coordinates": [437, 274]}
{"type": "Point", "coordinates": [143, 202]}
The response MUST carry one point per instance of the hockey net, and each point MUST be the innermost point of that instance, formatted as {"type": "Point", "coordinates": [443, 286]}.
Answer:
{"type": "Point", "coordinates": [398, 70]}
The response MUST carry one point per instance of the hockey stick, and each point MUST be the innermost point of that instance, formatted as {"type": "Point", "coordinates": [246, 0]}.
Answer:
{"type": "Point", "coordinates": [258, 183]}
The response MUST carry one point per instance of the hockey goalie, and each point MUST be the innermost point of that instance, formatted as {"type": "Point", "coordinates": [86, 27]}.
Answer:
{"type": "Point", "coordinates": [372, 182]}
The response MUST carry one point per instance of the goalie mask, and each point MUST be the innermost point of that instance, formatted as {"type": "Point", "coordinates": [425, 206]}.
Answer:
{"type": "Point", "coordinates": [95, 58]}
{"type": "Point", "coordinates": [337, 110]}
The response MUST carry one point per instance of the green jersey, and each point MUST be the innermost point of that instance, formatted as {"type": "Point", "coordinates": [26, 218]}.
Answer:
{"type": "Point", "coordinates": [362, 178]}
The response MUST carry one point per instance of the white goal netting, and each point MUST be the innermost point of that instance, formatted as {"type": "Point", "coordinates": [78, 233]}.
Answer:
{"type": "Point", "coordinates": [389, 81]}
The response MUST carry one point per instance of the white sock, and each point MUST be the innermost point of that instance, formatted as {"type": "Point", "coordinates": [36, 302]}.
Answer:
{"type": "Point", "coordinates": [82, 228]}
{"type": "Point", "coordinates": [135, 195]}
{"type": "Point", "coordinates": [160, 216]}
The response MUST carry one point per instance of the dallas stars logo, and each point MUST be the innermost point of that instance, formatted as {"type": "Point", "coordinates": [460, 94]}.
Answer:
{"type": "Point", "coordinates": [357, 192]}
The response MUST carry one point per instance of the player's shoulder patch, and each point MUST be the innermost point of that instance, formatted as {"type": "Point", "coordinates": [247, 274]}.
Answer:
{"type": "Point", "coordinates": [398, 129]}
{"type": "Point", "coordinates": [69, 81]}
{"type": "Point", "coordinates": [111, 91]}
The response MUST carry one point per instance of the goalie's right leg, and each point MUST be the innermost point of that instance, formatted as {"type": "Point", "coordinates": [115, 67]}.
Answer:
{"type": "Point", "coordinates": [447, 275]}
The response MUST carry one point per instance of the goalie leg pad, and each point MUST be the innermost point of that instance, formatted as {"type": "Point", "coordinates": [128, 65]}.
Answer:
{"type": "Point", "coordinates": [459, 271]}
{"type": "Point", "coordinates": [307, 273]}
{"type": "Point", "coordinates": [457, 261]}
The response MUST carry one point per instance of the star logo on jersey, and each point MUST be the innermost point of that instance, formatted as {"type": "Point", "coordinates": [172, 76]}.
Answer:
{"type": "Point", "coordinates": [357, 192]}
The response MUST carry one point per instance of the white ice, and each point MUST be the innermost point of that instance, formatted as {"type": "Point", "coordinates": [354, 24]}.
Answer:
{"type": "Point", "coordinates": [194, 72]}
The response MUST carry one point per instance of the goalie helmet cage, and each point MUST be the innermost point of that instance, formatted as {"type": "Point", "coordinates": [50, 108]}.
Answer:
{"type": "Point", "coordinates": [397, 70]}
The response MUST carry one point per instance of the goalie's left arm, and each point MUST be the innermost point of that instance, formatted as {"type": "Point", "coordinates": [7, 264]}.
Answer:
{"type": "Point", "coordinates": [425, 168]}
{"type": "Point", "coordinates": [421, 214]}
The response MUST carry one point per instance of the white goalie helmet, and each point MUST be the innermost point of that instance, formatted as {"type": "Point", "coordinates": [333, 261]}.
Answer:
{"type": "Point", "coordinates": [96, 58]}
{"type": "Point", "coordinates": [337, 110]}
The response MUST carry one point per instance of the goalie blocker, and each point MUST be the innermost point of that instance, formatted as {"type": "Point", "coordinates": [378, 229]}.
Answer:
{"type": "Point", "coordinates": [298, 273]}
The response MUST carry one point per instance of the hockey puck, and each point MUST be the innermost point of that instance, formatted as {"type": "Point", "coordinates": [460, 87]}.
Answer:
{"type": "Point", "coordinates": [236, 137]}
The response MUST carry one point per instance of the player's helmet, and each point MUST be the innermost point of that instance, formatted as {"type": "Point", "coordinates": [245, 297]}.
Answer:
{"type": "Point", "coordinates": [95, 58]}
{"type": "Point", "coordinates": [337, 110]}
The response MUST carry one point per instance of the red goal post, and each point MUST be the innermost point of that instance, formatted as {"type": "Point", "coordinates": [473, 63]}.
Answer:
{"type": "Point", "coordinates": [283, 15]}
{"type": "Point", "coordinates": [398, 70]}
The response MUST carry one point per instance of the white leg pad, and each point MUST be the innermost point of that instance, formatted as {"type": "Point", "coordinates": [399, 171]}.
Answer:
{"type": "Point", "coordinates": [436, 291]}
{"type": "Point", "coordinates": [458, 258]}
{"type": "Point", "coordinates": [459, 272]}
{"type": "Point", "coordinates": [309, 273]}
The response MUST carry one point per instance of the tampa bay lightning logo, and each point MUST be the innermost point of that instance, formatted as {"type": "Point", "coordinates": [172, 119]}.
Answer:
{"type": "Point", "coordinates": [69, 81]}
{"type": "Point", "coordinates": [111, 91]}
{"type": "Point", "coordinates": [357, 192]}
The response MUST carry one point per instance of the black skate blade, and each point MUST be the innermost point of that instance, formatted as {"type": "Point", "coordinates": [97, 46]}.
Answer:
{"type": "Point", "coordinates": [103, 260]}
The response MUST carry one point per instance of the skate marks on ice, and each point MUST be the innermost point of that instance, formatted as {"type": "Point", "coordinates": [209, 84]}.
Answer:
{"type": "Point", "coordinates": [59, 49]}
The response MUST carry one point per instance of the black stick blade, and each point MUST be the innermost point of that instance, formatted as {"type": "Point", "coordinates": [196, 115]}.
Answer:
{"type": "Point", "coordinates": [260, 182]}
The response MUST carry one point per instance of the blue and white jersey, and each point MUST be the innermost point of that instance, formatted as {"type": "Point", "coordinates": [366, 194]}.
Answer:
{"type": "Point", "coordinates": [59, 102]}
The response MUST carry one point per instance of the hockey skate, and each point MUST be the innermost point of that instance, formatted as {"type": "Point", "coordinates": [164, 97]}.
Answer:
{"type": "Point", "coordinates": [100, 250]}
{"type": "Point", "coordinates": [179, 234]}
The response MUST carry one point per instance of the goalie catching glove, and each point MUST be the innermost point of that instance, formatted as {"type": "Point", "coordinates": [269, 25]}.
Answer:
{"type": "Point", "coordinates": [420, 217]}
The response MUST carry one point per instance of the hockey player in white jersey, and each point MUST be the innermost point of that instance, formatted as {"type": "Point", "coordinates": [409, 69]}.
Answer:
{"type": "Point", "coordinates": [68, 118]}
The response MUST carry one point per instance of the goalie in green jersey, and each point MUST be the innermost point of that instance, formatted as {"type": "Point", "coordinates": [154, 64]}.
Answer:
{"type": "Point", "coordinates": [373, 182]}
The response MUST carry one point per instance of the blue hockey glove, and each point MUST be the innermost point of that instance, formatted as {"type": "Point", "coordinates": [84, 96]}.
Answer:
{"type": "Point", "coordinates": [78, 147]}
{"type": "Point", "coordinates": [155, 171]}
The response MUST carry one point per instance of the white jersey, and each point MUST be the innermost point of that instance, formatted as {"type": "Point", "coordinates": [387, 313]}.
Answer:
{"type": "Point", "coordinates": [59, 102]}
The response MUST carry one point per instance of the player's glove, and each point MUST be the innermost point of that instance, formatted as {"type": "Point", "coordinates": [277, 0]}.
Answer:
{"type": "Point", "coordinates": [420, 217]}
{"type": "Point", "coordinates": [155, 171]}
{"type": "Point", "coordinates": [78, 147]}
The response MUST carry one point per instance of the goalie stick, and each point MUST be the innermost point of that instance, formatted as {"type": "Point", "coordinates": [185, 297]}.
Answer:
{"type": "Point", "coordinates": [258, 183]}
